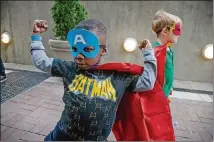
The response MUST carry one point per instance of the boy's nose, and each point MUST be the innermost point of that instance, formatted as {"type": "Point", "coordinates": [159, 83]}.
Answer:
{"type": "Point", "coordinates": [80, 56]}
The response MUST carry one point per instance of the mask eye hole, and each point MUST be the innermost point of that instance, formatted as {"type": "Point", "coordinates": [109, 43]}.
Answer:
{"type": "Point", "coordinates": [88, 49]}
{"type": "Point", "coordinates": [74, 49]}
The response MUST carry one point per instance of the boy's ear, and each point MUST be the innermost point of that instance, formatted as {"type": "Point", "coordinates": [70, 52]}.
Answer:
{"type": "Point", "coordinates": [165, 31]}
{"type": "Point", "coordinates": [103, 51]}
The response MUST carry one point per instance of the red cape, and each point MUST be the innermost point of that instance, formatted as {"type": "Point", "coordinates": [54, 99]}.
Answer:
{"type": "Point", "coordinates": [143, 116]}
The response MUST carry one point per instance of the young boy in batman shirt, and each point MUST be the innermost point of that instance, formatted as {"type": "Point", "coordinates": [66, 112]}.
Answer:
{"type": "Point", "coordinates": [91, 97]}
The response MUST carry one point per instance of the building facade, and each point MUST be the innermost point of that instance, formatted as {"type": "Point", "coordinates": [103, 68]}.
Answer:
{"type": "Point", "coordinates": [123, 19]}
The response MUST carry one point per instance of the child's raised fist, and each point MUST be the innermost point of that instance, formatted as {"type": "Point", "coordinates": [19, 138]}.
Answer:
{"type": "Point", "coordinates": [40, 26]}
{"type": "Point", "coordinates": [145, 44]}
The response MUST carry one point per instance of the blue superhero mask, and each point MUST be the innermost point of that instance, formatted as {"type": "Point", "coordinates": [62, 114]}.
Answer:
{"type": "Point", "coordinates": [79, 39]}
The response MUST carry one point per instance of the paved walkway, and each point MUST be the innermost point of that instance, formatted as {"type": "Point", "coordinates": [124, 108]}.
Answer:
{"type": "Point", "coordinates": [34, 113]}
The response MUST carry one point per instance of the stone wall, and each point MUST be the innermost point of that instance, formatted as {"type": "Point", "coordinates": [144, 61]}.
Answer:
{"type": "Point", "coordinates": [123, 19]}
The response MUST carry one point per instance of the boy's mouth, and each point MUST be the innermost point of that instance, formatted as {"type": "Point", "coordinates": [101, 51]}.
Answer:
{"type": "Point", "coordinates": [82, 66]}
{"type": "Point", "coordinates": [79, 64]}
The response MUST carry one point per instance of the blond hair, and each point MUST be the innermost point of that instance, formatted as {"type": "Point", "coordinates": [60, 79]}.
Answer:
{"type": "Point", "coordinates": [163, 19]}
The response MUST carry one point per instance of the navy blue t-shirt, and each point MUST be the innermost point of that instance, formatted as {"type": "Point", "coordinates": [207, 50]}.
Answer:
{"type": "Point", "coordinates": [91, 99]}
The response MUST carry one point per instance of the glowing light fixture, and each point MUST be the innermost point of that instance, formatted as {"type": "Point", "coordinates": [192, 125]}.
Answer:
{"type": "Point", "coordinates": [207, 52]}
{"type": "Point", "coordinates": [6, 38]}
{"type": "Point", "coordinates": [130, 44]}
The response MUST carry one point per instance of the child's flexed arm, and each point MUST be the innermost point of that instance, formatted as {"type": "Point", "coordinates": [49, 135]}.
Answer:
{"type": "Point", "coordinates": [40, 60]}
{"type": "Point", "coordinates": [55, 67]}
{"type": "Point", "coordinates": [147, 79]}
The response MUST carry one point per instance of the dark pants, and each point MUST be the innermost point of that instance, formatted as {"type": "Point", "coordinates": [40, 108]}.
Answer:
{"type": "Point", "coordinates": [57, 135]}
{"type": "Point", "coordinates": [2, 69]}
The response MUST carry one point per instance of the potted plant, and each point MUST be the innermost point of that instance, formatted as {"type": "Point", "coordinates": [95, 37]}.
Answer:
{"type": "Point", "coordinates": [66, 15]}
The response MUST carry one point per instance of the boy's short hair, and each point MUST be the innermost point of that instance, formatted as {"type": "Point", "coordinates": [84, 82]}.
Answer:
{"type": "Point", "coordinates": [163, 19]}
{"type": "Point", "coordinates": [93, 25]}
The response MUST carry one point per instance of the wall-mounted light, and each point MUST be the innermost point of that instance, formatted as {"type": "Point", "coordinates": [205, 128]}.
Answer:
{"type": "Point", "coordinates": [6, 38]}
{"type": "Point", "coordinates": [130, 44]}
{"type": "Point", "coordinates": [207, 52]}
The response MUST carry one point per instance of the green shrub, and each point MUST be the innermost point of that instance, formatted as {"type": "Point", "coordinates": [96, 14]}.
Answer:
{"type": "Point", "coordinates": [66, 14]}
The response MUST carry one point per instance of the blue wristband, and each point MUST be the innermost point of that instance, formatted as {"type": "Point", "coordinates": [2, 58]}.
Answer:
{"type": "Point", "coordinates": [36, 38]}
